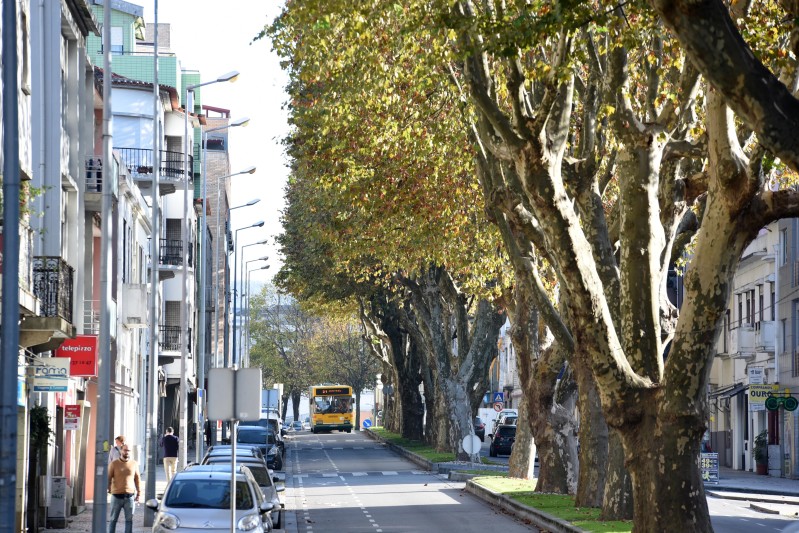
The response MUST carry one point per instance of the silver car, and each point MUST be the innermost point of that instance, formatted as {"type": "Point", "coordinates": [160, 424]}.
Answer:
{"type": "Point", "coordinates": [198, 499]}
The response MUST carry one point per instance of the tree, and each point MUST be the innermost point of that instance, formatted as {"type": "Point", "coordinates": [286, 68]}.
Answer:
{"type": "Point", "coordinates": [282, 336]}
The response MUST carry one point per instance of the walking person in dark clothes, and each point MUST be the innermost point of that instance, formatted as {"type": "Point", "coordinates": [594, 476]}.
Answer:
{"type": "Point", "coordinates": [170, 444]}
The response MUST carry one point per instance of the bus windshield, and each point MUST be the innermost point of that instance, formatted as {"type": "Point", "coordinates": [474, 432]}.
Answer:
{"type": "Point", "coordinates": [332, 404]}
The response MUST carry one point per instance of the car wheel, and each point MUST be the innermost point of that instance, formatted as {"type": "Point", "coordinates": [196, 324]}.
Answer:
{"type": "Point", "coordinates": [278, 463]}
{"type": "Point", "coordinates": [491, 451]}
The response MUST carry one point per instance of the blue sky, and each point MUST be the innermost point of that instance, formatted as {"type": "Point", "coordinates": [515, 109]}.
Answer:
{"type": "Point", "coordinates": [214, 37]}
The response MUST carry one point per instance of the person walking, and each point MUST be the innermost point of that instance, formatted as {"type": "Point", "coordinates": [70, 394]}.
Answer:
{"type": "Point", "coordinates": [170, 444]}
{"type": "Point", "coordinates": [116, 452]}
{"type": "Point", "coordinates": [123, 485]}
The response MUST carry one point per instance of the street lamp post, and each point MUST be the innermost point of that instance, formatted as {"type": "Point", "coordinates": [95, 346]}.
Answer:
{"type": "Point", "coordinates": [188, 172]}
{"type": "Point", "coordinates": [233, 124]}
{"type": "Point", "coordinates": [244, 291]}
{"type": "Point", "coordinates": [247, 312]}
{"type": "Point", "coordinates": [235, 279]}
{"type": "Point", "coordinates": [201, 334]}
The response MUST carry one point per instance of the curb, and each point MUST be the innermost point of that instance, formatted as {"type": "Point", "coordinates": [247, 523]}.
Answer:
{"type": "Point", "coordinates": [417, 459]}
{"type": "Point", "coordinates": [539, 518]}
{"type": "Point", "coordinates": [761, 497]}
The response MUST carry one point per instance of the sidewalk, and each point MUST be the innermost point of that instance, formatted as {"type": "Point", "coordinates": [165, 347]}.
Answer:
{"type": "Point", "coordinates": [82, 522]}
{"type": "Point", "coordinates": [750, 483]}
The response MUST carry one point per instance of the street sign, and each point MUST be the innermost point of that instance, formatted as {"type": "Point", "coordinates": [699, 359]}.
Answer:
{"type": "Point", "coordinates": [709, 465]}
{"type": "Point", "coordinates": [367, 423]}
{"type": "Point", "coordinates": [498, 406]}
{"type": "Point", "coordinates": [71, 417]}
{"type": "Point", "coordinates": [788, 402]}
{"type": "Point", "coordinates": [499, 397]}
{"type": "Point", "coordinates": [471, 444]}
{"type": "Point", "coordinates": [242, 386]}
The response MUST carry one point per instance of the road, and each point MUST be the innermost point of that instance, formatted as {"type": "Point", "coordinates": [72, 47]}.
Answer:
{"type": "Point", "coordinates": [348, 482]}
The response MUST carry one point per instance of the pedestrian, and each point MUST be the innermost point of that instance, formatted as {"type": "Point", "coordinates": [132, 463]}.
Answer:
{"type": "Point", "coordinates": [123, 485]}
{"type": "Point", "coordinates": [170, 444]}
{"type": "Point", "coordinates": [208, 430]}
{"type": "Point", "coordinates": [116, 452]}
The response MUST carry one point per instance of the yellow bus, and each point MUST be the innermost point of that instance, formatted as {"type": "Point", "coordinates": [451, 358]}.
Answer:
{"type": "Point", "coordinates": [331, 408]}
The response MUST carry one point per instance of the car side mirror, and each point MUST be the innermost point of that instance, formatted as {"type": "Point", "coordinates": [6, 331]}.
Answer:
{"type": "Point", "coordinates": [281, 488]}
{"type": "Point", "coordinates": [151, 504]}
{"type": "Point", "coordinates": [265, 507]}
{"type": "Point", "coordinates": [490, 435]}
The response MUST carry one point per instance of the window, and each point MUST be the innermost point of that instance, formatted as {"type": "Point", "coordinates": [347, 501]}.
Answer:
{"type": "Point", "coordinates": [749, 307]}
{"type": "Point", "coordinates": [783, 246]}
{"type": "Point", "coordinates": [760, 315]}
{"type": "Point", "coordinates": [773, 302]}
{"type": "Point", "coordinates": [116, 40]}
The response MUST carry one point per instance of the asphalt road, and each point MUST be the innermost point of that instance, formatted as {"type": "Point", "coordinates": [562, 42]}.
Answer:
{"type": "Point", "coordinates": [348, 482]}
{"type": "Point", "coordinates": [735, 516]}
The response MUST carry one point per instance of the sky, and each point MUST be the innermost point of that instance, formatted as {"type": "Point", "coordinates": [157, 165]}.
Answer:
{"type": "Point", "coordinates": [213, 37]}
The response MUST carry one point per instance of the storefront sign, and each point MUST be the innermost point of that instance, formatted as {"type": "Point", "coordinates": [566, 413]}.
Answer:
{"type": "Point", "coordinates": [758, 395]}
{"type": "Point", "coordinates": [756, 375]}
{"type": "Point", "coordinates": [709, 465]}
{"type": "Point", "coordinates": [71, 417]}
{"type": "Point", "coordinates": [51, 374]}
{"type": "Point", "coordinates": [82, 351]}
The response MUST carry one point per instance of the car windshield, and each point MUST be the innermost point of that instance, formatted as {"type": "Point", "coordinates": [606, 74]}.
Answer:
{"type": "Point", "coordinates": [207, 494]}
{"type": "Point", "coordinates": [261, 475]}
{"type": "Point", "coordinates": [507, 431]}
{"type": "Point", "coordinates": [252, 437]}
{"type": "Point", "coordinates": [269, 424]}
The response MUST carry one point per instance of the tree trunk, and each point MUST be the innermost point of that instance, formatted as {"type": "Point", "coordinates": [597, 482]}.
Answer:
{"type": "Point", "coordinates": [522, 461]}
{"type": "Point", "coordinates": [593, 442]}
{"type": "Point", "coordinates": [617, 501]}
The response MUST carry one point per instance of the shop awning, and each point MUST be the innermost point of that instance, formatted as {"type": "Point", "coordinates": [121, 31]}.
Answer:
{"type": "Point", "coordinates": [729, 391]}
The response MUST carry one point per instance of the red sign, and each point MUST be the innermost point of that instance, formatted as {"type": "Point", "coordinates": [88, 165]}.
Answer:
{"type": "Point", "coordinates": [82, 351]}
{"type": "Point", "coordinates": [71, 411]}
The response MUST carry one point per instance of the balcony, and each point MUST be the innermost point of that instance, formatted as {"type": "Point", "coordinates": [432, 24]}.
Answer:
{"type": "Point", "coordinates": [742, 340]}
{"type": "Point", "coordinates": [764, 335]}
{"type": "Point", "coordinates": [139, 162]}
{"type": "Point", "coordinates": [53, 287]}
{"type": "Point", "coordinates": [171, 252]}
{"type": "Point", "coordinates": [169, 338]}
{"type": "Point", "coordinates": [93, 189]}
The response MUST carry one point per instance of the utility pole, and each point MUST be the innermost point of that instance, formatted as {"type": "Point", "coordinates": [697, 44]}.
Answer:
{"type": "Point", "coordinates": [10, 302]}
{"type": "Point", "coordinates": [152, 367]}
{"type": "Point", "coordinates": [103, 429]}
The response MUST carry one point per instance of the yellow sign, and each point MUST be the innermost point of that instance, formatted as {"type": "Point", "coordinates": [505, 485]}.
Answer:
{"type": "Point", "coordinates": [758, 395]}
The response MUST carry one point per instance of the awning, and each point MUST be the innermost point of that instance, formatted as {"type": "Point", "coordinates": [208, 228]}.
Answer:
{"type": "Point", "coordinates": [729, 391]}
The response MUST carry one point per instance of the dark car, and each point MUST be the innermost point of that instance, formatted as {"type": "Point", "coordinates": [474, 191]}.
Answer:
{"type": "Point", "coordinates": [265, 440]}
{"type": "Point", "coordinates": [502, 441]}
{"type": "Point", "coordinates": [479, 428]}
{"type": "Point", "coordinates": [276, 437]}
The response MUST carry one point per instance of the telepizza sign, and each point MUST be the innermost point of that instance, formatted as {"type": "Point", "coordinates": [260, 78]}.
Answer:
{"type": "Point", "coordinates": [82, 352]}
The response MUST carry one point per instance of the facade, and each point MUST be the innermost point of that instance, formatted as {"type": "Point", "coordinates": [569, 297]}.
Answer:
{"type": "Point", "coordinates": [61, 163]}
{"type": "Point", "coordinates": [754, 356]}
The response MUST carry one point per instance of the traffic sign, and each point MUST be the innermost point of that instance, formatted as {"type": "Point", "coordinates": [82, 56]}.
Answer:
{"type": "Point", "coordinates": [499, 397]}
{"type": "Point", "coordinates": [367, 423]}
{"type": "Point", "coordinates": [471, 444]}
{"type": "Point", "coordinates": [498, 406]}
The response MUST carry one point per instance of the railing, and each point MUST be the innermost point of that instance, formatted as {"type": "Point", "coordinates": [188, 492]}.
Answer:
{"type": "Point", "coordinates": [94, 173]}
{"type": "Point", "coordinates": [171, 252]}
{"type": "Point", "coordinates": [52, 285]}
{"type": "Point", "coordinates": [169, 338]}
{"type": "Point", "coordinates": [139, 162]}
{"type": "Point", "coordinates": [91, 317]}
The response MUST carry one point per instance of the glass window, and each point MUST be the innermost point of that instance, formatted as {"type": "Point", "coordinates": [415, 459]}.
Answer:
{"type": "Point", "coordinates": [208, 494]}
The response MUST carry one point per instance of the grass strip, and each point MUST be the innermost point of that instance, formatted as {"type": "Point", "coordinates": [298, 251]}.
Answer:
{"type": "Point", "coordinates": [558, 505]}
{"type": "Point", "coordinates": [415, 446]}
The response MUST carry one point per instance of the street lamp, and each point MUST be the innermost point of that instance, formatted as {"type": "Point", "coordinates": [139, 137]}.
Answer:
{"type": "Point", "coordinates": [247, 311]}
{"type": "Point", "coordinates": [188, 172]}
{"type": "Point", "coordinates": [235, 279]}
{"type": "Point", "coordinates": [245, 291]}
{"type": "Point", "coordinates": [254, 201]}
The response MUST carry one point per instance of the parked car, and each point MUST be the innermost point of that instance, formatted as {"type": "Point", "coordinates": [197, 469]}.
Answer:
{"type": "Point", "coordinates": [245, 453]}
{"type": "Point", "coordinates": [502, 441]}
{"type": "Point", "coordinates": [479, 428]}
{"type": "Point", "coordinates": [296, 426]}
{"type": "Point", "coordinates": [275, 438]}
{"type": "Point", "coordinates": [503, 417]}
{"type": "Point", "coordinates": [198, 499]}
{"type": "Point", "coordinates": [306, 424]}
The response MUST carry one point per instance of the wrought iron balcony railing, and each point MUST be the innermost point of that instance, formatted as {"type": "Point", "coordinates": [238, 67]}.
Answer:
{"type": "Point", "coordinates": [139, 162]}
{"type": "Point", "coordinates": [170, 338]}
{"type": "Point", "coordinates": [171, 252]}
{"type": "Point", "coordinates": [53, 286]}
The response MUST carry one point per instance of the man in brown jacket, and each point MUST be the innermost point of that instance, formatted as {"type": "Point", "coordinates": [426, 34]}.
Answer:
{"type": "Point", "coordinates": [123, 485]}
